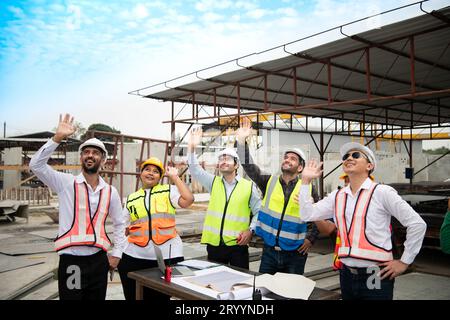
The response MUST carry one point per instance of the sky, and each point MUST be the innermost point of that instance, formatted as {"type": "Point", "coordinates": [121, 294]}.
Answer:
{"type": "Point", "coordinates": [84, 57]}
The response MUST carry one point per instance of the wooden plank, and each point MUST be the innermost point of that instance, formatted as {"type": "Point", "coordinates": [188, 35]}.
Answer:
{"type": "Point", "coordinates": [8, 263]}
{"type": "Point", "coordinates": [27, 248]}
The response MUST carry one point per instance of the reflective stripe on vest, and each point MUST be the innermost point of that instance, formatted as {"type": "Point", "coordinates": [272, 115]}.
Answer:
{"type": "Point", "coordinates": [354, 242]}
{"type": "Point", "coordinates": [280, 226]}
{"type": "Point", "coordinates": [160, 215]}
{"type": "Point", "coordinates": [337, 264]}
{"type": "Point", "coordinates": [225, 220]}
{"type": "Point", "coordinates": [87, 230]}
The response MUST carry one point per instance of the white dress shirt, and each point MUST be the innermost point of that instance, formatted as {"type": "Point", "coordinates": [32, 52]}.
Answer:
{"type": "Point", "coordinates": [206, 179]}
{"type": "Point", "coordinates": [62, 184]}
{"type": "Point", "coordinates": [385, 203]}
{"type": "Point", "coordinates": [174, 245]}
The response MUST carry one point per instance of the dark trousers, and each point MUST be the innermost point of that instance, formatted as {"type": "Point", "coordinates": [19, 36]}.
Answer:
{"type": "Point", "coordinates": [273, 261]}
{"type": "Point", "coordinates": [83, 277]}
{"type": "Point", "coordinates": [130, 264]}
{"type": "Point", "coordinates": [362, 284]}
{"type": "Point", "coordinates": [236, 256]}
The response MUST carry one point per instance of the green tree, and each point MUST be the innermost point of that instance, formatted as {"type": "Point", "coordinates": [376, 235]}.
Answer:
{"type": "Point", "coordinates": [102, 127]}
{"type": "Point", "coordinates": [79, 130]}
{"type": "Point", "coordinates": [440, 150]}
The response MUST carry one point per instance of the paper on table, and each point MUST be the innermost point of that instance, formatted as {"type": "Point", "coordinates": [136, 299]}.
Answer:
{"type": "Point", "coordinates": [197, 264]}
{"type": "Point", "coordinates": [287, 285]}
{"type": "Point", "coordinates": [187, 282]}
{"type": "Point", "coordinates": [220, 281]}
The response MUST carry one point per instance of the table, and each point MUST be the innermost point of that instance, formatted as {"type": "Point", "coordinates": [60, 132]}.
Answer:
{"type": "Point", "coordinates": [151, 278]}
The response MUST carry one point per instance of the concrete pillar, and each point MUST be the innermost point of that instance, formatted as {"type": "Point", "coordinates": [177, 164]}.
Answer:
{"type": "Point", "coordinates": [12, 178]}
{"type": "Point", "coordinates": [131, 153]}
{"type": "Point", "coordinates": [73, 158]}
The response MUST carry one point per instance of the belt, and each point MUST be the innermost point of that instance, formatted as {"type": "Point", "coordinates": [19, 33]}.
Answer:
{"type": "Point", "coordinates": [277, 248]}
{"type": "Point", "coordinates": [359, 271]}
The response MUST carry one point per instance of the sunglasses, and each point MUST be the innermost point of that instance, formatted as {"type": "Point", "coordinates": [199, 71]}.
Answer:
{"type": "Point", "coordinates": [354, 155]}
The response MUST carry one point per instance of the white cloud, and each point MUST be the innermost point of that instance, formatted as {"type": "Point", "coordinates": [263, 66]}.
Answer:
{"type": "Point", "coordinates": [167, 41]}
{"type": "Point", "coordinates": [57, 8]}
{"type": "Point", "coordinates": [17, 12]}
{"type": "Point", "coordinates": [209, 5]}
{"type": "Point", "coordinates": [235, 18]}
{"type": "Point", "coordinates": [132, 24]}
{"type": "Point", "coordinates": [245, 5]}
{"type": "Point", "coordinates": [73, 21]}
{"type": "Point", "coordinates": [288, 12]}
{"type": "Point", "coordinates": [140, 11]}
{"type": "Point", "coordinates": [211, 17]}
{"type": "Point", "coordinates": [257, 13]}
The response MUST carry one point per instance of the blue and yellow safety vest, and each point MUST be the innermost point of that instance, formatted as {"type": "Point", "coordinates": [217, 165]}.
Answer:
{"type": "Point", "coordinates": [277, 224]}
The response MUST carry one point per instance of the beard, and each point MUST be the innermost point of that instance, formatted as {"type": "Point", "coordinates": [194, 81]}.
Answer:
{"type": "Point", "coordinates": [226, 170]}
{"type": "Point", "coordinates": [91, 170]}
{"type": "Point", "coordinates": [289, 170]}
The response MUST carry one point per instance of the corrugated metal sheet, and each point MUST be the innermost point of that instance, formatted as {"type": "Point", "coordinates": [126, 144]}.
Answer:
{"type": "Point", "coordinates": [390, 68]}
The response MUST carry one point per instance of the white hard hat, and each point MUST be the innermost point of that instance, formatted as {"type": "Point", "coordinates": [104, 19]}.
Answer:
{"type": "Point", "coordinates": [93, 142]}
{"type": "Point", "coordinates": [298, 152]}
{"type": "Point", "coordinates": [229, 152]}
{"type": "Point", "coordinates": [357, 146]}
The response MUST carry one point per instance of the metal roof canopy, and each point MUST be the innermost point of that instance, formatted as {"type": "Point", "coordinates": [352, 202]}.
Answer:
{"type": "Point", "coordinates": [393, 79]}
{"type": "Point", "coordinates": [398, 76]}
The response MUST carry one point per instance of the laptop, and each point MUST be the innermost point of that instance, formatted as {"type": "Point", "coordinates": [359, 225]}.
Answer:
{"type": "Point", "coordinates": [178, 271]}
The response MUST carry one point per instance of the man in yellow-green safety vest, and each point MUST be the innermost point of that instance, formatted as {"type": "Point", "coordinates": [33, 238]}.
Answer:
{"type": "Point", "coordinates": [286, 237]}
{"type": "Point", "coordinates": [233, 207]}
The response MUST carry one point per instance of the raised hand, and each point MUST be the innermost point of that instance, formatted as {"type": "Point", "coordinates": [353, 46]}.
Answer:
{"type": "Point", "coordinates": [312, 170]}
{"type": "Point", "coordinates": [244, 131]}
{"type": "Point", "coordinates": [172, 173]}
{"type": "Point", "coordinates": [65, 128]}
{"type": "Point", "coordinates": [195, 138]}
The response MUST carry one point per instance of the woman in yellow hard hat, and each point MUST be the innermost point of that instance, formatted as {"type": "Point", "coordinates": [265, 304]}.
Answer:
{"type": "Point", "coordinates": [150, 216]}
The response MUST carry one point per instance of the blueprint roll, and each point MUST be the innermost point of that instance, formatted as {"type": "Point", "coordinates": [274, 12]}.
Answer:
{"type": "Point", "coordinates": [240, 294]}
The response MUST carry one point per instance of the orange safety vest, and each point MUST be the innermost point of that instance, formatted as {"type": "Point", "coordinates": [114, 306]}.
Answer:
{"type": "Point", "coordinates": [337, 264]}
{"type": "Point", "coordinates": [87, 230]}
{"type": "Point", "coordinates": [353, 240]}
{"type": "Point", "coordinates": [160, 216]}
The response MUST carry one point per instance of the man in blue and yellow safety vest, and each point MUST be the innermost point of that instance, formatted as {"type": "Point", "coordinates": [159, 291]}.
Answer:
{"type": "Point", "coordinates": [232, 210]}
{"type": "Point", "coordinates": [286, 237]}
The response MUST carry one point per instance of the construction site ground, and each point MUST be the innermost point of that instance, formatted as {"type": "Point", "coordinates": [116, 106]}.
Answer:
{"type": "Point", "coordinates": [28, 262]}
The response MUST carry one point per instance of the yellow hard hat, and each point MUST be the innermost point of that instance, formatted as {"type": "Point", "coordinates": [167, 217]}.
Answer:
{"type": "Point", "coordinates": [343, 176]}
{"type": "Point", "coordinates": [154, 161]}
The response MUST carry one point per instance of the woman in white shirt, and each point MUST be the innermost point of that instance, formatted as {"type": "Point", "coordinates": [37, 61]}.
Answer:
{"type": "Point", "coordinates": [150, 216]}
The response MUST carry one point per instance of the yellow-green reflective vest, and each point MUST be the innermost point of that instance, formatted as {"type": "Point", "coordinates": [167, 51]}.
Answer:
{"type": "Point", "coordinates": [279, 226]}
{"type": "Point", "coordinates": [157, 222]}
{"type": "Point", "coordinates": [224, 219]}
